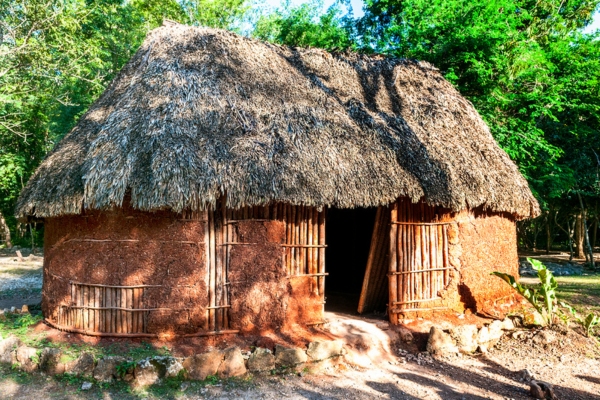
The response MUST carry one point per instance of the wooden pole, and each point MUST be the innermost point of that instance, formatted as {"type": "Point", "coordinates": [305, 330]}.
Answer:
{"type": "Point", "coordinates": [393, 283]}
{"type": "Point", "coordinates": [212, 297]}
{"type": "Point", "coordinates": [322, 254]}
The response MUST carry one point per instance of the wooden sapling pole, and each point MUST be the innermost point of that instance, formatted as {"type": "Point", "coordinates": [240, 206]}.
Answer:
{"type": "Point", "coordinates": [286, 250]}
{"type": "Point", "coordinates": [129, 313]}
{"type": "Point", "coordinates": [302, 223]}
{"type": "Point", "coordinates": [85, 312]}
{"type": "Point", "coordinates": [228, 239]}
{"type": "Point", "coordinates": [322, 254]}
{"type": "Point", "coordinates": [293, 229]}
{"type": "Point", "coordinates": [211, 311]}
{"type": "Point", "coordinates": [96, 312]}
{"type": "Point", "coordinates": [440, 257]}
{"type": "Point", "coordinates": [393, 265]}
{"type": "Point", "coordinates": [446, 255]}
{"type": "Point", "coordinates": [310, 251]}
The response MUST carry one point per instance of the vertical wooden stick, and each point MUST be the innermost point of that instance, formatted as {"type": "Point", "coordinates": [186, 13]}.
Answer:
{"type": "Point", "coordinates": [310, 250]}
{"type": "Point", "coordinates": [322, 254]}
{"type": "Point", "coordinates": [136, 305]}
{"type": "Point", "coordinates": [212, 279]}
{"type": "Point", "coordinates": [129, 305]}
{"type": "Point", "coordinates": [393, 283]}
{"type": "Point", "coordinates": [293, 241]}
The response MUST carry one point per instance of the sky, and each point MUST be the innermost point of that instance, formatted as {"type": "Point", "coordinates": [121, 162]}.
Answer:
{"type": "Point", "coordinates": [357, 8]}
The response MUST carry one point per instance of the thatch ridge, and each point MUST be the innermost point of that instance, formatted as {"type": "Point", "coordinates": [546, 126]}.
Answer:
{"type": "Point", "coordinates": [200, 112]}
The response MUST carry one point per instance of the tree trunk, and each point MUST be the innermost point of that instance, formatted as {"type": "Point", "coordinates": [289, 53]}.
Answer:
{"type": "Point", "coordinates": [548, 233]}
{"type": "Point", "coordinates": [589, 251]}
{"type": "Point", "coordinates": [5, 231]}
{"type": "Point", "coordinates": [579, 236]}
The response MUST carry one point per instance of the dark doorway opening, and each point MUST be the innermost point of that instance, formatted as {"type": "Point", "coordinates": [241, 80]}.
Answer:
{"type": "Point", "coordinates": [348, 233]}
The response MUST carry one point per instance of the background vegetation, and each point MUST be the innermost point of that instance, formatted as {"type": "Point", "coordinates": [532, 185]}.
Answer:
{"type": "Point", "coordinates": [525, 65]}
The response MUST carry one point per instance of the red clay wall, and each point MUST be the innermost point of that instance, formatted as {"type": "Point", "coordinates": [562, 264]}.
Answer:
{"type": "Point", "coordinates": [488, 243]}
{"type": "Point", "coordinates": [152, 255]}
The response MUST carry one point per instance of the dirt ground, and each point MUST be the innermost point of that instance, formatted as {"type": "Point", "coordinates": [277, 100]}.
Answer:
{"type": "Point", "coordinates": [378, 364]}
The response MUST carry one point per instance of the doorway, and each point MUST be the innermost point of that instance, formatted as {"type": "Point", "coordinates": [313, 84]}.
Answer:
{"type": "Point", "coordinates": [348, 233]}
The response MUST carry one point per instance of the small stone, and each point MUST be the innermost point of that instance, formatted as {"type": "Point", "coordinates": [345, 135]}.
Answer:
{"type": "Point", "coordinates": [8, 349]}
{"type": "Point", "coordinates": [199, 366]}
{"type": "Point", "coordinates": [82, 366]}
{"type": "Point", "coordinates": [27, 357]}
{"type": "Point", "coordinates": [184, 385]}
{"type": "Point", "coordinates": [106, 369]}
{"type": "Point", "coordinates": [173, 366]}
{"type": "Point", "coordinates": [233, 363]}
{"type": "Point", "coordinates": [525, 375]}
{"type": "Point", "coordinates": [465, 337]}
{"type": "Point", "coordinates": [440, 343]}
{"type": "Point", "coordinates": [318, 351]}
{"type": "Point", "coordinates": [50, 361]}
{"type": "Point", "coordinates": [86, 385]}
{"type": "Point", "coordinates": [544, 337]}
{"type": "Point", "coordinates": [261, 360]}
{"type": "Point", "coordinates": [289, 357]}
{"type": "Point", "coordinates": [405, 335]}
{"type": "Point", "coordinates": [24, 309]}
{"type": "Point", "coordinates": [13, 309]}
{"type": "Point", "coordinates": [508, 324]}
{"type": "Point", "coordinates": [541, 390]}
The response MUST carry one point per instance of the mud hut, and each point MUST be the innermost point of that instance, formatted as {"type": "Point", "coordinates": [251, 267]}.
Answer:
{"type": "Point", "coordinates": [203, 192]}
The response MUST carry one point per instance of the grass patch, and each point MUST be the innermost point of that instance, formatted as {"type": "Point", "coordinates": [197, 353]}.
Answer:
{"type": "Point", "coordinates": [581, 292]}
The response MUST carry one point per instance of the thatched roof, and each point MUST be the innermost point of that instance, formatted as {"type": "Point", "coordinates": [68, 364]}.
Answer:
{"type": "Point", "coordinates": [200, 112]}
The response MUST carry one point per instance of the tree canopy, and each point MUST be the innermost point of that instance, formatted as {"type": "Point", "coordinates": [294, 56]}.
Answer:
{"type": "Point", "coordinates": [525, 65]}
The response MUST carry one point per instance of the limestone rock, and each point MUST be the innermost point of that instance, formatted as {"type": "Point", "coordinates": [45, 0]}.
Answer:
{"type": "Point", "coordinates": [82, 366]}
{"type": "Point", "coordinates": [106, 369]}
{"type": "Point", "coordinates": [440, 343]}
{"type": "Point", "coordinates": [8, 349]}
{"type": "Point", "coordinates": [525, 375]}
{"type": "Point", "coordinates": [541, 390]}
{"type": "Point", "coordinates": [465, 337]}
{"type": "Point", "coordinates": [261, 360]}
{"type": "Point", "coordinates": [50, 361]}
{"type": "Point", "coordinates": [27, 357]}
{"type": "Point", "coordinates": [405, 335]}
{"type": "Point", "coordinates": [318, 351]}
{"type": "Point", "coordinates": [24, 309]}
{"type": "Point", "coordinates": [173, 365]}
{"type": "Point", "coordinates": [149, 371]}
{"type": "Point", "coordinates": [544, 337]}
{"type": "Point", "coordinates": [289, 357]}
{"type": "Point", "coordinates": [233, 363]}
{"type": "Point", "coordinates": [86, 385]}
{"type": "Point", "coordinates": [508, 324]}
{"type": "Point", "coordinates": [200, 366]}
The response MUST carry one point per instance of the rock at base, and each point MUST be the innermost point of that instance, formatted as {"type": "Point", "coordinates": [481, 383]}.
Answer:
{"type": "Point", "coordinates": [233, 363]}
{"type": "Point", "coordinates": [50, 361]}
{"type": "Point", "coordinates": [27, 358]}
{"type": "Point", "coordinates": [106, 369]}
{"type": "Point", "coordinates": [465, 337]}
{"type": "Point", "coordinates": [544, 337]}
{"type": "Point", "coordinates": [8, 349]}
{"type": "Point", "coordinates": [318, 351]}
{"type": "Point", "coordinates": [261, 360]}
{"type": "Point", "coordinates": [199, 366]}
{"type": "Point", "coordinates": [289, 357]}
{"type": "Point", "coordinates": [82, 366]}
{"type": "Point", "coordinates": [440, 343]}
{"type": "Point", "coordinates": [149, 371]}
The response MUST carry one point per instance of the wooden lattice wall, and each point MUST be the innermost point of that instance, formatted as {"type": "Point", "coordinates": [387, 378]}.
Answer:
{"type": "Point", "coordinates": [419, 261]}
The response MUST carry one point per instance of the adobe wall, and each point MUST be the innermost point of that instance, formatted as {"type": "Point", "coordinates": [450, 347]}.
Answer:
{"type": "Point", "coordinates": [488, 242]}
{"type": "Point", "coordinates": [154, 254]}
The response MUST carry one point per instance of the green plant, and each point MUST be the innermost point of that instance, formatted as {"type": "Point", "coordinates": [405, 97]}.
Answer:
{"type": "Point", "coordinates": [124, 367]}
{"type": "Point", "coordinates": [542, 299]}
{"type": "Point", "coordinates": [588, 323]}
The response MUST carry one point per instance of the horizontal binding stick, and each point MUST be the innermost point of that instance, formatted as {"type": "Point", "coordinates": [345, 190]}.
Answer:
{"type": "Point", "coordinates": [136, 335]}
{"type": "Point", "coordinates": [308, 275]}
{"type": "Point", "coordinates": [129, 309]}
{"type": "Point", "coordinates": [421, 223]}
{"type": "Point", "coordinates": [113, 286]}
{"type": "Point", "coordinates": [400, 311]}
{"type": "Point", "coordinates": [415, 301]}
{"type": "Point", "coordinates": [304, 245]}
{"type": "Point", "coordinates": [418, 271]}
{"type": "Point", "coordinates": [216, 307]}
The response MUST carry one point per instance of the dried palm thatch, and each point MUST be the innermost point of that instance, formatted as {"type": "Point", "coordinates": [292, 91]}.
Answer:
{"type": "Point", "coordinates": [199, 112]}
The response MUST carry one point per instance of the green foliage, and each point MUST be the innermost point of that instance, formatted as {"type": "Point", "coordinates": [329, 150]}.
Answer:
{"type": "Point", "coordinates": [18, 324]}
{"type": "Point", "coordinates": [306, 26]}
{"type": "Point", "coordinates": [542, 299]}
{"type": "Point", "coordinates": [125, 367]}
{"type": "Point", "coordinates": [526, 67]}
{"type": "Point", "coordinates": [588, 323]}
